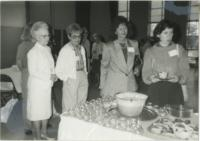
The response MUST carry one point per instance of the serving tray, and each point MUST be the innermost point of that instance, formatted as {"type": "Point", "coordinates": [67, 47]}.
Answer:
{"type": "Point", "coordinates": [146, 114]}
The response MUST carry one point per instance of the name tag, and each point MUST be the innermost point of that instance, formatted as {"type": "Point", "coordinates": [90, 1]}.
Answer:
{"type": "Point", "coordinates": [131, 49]}
{"type": "Point", "coordinates": [173, 53]}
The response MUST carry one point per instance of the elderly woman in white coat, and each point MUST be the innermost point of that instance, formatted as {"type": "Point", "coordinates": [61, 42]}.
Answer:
{"type": "Point", "coordinates": [71, 69]}
{"type": "Point", "coordinates": [117, 62]}
{"type": "Point", "coordinates": [40, 81]}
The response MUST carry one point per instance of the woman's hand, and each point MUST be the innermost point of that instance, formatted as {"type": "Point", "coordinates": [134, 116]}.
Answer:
{"type": "Point", "coordinates": [185, 92]}
{"type": "Point", "coordinates": [136, 71]}
{"type": "Point", "coordinates": [101, 93]}
{"type": "Point", "coordinates": [174, 79]}
{"type": "Point", "coordinates": [154, 78]}
{"type": "Point", "coordinates": [54, 77]}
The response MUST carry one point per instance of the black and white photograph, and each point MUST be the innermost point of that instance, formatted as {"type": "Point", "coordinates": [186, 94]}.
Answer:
{"type": "Point", "coordinates": [107, 70]}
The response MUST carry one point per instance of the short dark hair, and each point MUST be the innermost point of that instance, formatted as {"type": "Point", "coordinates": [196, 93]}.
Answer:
{"type": "Point", "coordinates": [115, 24]}
{"type": "Point", "coordinates": [74, 27]}
{"type": "Point", "coordinates": [162, 25]}
{"type": "Point", "coordinates": [26, 33]}
{"type": "Point", "coordinates": [84, 30]}
{"type": "Point", "coordinates": [119, 20]}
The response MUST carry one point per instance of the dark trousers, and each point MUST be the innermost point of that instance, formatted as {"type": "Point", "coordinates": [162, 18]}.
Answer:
{"type": "Point", "coordinates": [57, 95]}
{"type": "Point", "coordinates": [164, 92]}
{"type": "Point", "coordinates": [95, 73]}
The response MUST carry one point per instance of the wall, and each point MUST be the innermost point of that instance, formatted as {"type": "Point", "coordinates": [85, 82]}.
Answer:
{"type": "Point", "coordinates": [100, 18]}
{"type": "Point", "coordinates": [63, 13]}
{"type": "Point", "coordinates": [174, 11]}
{"type": "Point", "coordinates": [83, 13]}
{"type": "Point", "coordinates": [13, 18]}
{"type": "Point", "coordinates": [39, 11]}
{"type": "Point", "coordinates": [178, 12]}
{"type": "Point", "coordinates": [139, 14]}
{"type": "Point", "coordinates": [59, 14]}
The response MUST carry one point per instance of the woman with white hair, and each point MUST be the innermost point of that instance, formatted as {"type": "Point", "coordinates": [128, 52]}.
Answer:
{"type": "Point", "coordinates": [40, 81]}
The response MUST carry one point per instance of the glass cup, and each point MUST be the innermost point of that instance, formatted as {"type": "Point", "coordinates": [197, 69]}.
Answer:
{"type": "Point", "coordinates": [181, 111]}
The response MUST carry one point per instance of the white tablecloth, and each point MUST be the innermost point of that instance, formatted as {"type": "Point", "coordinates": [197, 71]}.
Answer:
{"type": "Point", "coordinates": [15, 74]}
{"type": "Point", "coordinates": [71, 128]}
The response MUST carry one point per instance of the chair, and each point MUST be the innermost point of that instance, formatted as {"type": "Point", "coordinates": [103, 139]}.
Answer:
{"type": "Point", "coordinates": [7, 89]}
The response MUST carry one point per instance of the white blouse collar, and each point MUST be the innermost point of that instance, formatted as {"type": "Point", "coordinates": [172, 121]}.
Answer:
{"type": "Point", "coordinates": [42, 47]}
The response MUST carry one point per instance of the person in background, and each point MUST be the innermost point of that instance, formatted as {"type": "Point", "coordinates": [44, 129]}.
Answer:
{"type": "Point", "coordinates": [40, 80]}
{"type": "Point", "coordinates": [145, 44]}
{"type": "Point", "coordinates": [97, 49]}
{"type": "Point", "coordinates": [86, 44]}
{"type": "Point", "coordinates": [117, 62]}
{"type": "Point", "coordinates": [27, 42]}
{"type": "Point", "coordinates": [165, 67]}
{"type": "Point", "coordinates": [71, 69]}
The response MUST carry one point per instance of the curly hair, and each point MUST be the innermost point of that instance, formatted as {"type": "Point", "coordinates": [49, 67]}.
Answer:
{"type": "Point", "coordinates": [36, 26]}
{"type": "Point", "coordinates": [115, 24]}
{"type": "Point", "coordinates": [162, 25]}
{"type": "Point", "coordinates": [119, 20]}
{"type": "Point", "coordinates": [74, 27]}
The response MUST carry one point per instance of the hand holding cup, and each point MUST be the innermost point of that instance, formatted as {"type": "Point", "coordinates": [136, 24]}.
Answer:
{"type": "Point", "coordinates": [53, 77]}
{"type": "Point", "coordinates": [163, 75]}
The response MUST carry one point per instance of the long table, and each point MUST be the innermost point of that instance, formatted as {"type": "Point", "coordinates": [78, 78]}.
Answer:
{"type": "Point", "coordinates": [73, 128]}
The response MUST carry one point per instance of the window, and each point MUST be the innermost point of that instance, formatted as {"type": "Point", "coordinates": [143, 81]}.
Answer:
{"type": "Point", "coordinates": [157, 14]}
{"type": "Point", "coordinates": [124, 8]}
{"type": "Point", "coordinates": [193, 26]}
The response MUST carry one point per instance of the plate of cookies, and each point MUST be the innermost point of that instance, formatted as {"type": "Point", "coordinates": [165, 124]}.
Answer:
{"type": "Point", "coordinates": [174, 128]}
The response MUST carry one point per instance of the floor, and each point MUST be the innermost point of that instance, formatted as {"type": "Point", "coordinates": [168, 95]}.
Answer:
{"type": "Point", "coordinates": [13, 130]}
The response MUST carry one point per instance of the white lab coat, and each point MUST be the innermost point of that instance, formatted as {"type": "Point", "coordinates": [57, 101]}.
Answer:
{"type": "Point", "coordinates": [40, 68]}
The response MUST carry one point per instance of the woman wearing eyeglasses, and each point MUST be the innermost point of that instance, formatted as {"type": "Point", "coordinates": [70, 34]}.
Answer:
{"type": "Point", "coordinates": [71, 69]}
{"type": "Point", "coordinates": [40, 81]}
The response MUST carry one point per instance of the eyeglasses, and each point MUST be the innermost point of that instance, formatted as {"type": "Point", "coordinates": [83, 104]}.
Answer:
{"type": "Point", "coordinates": [75, 36]}
{"type": "Point", "coordinates": [45, 36]}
